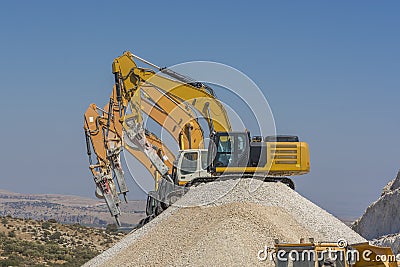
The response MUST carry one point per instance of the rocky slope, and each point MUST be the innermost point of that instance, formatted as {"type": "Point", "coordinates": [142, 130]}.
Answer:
{"type": "Point", "coordinates": [381, 221]}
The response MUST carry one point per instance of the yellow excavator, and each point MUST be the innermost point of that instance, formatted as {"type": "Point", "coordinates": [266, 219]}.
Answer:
{"type": "Point", "coordinates": [173, 101]}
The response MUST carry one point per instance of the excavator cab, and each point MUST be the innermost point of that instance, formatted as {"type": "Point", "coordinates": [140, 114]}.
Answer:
{"type": "Point", "coordinates": [190, 164]}
{"type": "Point", "coordinates": [238, 152]}
{"type": "Point", "coordinates": [228, 150]}
{"type": "Point", "coordinates": [235, 152]}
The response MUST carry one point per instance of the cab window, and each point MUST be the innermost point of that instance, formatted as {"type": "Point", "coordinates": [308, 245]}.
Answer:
{"type": "Point", "coordinates": [204, 163]}
{"type": "Point", "coordinates": [225, 144]}
{"type": "Point", "coordinates": [189, 163]}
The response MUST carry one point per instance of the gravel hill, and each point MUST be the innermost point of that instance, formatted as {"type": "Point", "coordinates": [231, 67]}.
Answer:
{"type": "Point", "coordinates": [225, 224]}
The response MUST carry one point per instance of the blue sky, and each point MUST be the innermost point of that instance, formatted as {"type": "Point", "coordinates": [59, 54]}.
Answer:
{"type": "Point", "coordinates": [329, 69]}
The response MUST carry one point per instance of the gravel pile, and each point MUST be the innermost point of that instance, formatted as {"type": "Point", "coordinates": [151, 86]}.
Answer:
{"type": "Point", "coordinates": [225, 224]}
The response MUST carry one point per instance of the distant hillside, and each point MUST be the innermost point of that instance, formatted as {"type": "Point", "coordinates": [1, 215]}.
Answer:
{"type": "Point", "coordinates": [68, 209]}
{"type": "Point", "coordinates": [26, 242]}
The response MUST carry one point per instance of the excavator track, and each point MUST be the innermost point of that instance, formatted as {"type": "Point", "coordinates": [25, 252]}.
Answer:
{"type": "Point", "coordinates": [273, 179]}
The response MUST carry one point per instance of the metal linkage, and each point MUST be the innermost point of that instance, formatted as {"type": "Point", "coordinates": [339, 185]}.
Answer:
{"type": "Point", "coordinates": [105, 184]}
{"type": "Point", "coordinates": [136, 134]}
{"type": "Point", "coordinates": [177, 76]}
{"type": "Point", "coordinates": [114, 156]}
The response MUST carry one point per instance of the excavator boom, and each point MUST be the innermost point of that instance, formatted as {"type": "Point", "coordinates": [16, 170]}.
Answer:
{"type": "Point", "coordinates": [192, 93]}
{"type": "Point", "coordinates": [174, 116]}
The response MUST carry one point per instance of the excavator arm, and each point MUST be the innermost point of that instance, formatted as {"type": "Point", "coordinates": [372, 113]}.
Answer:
{"type": "Point", "coordinates": [104, 134]}
{"type": "Point", "coordinates": [181, 88]}
{"type": "Point", "coordinates": [104, 142]}
{"type": "Point", "coordinates": [173, 115]}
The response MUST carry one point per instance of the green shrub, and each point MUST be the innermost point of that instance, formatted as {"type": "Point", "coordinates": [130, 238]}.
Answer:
{"type": "Point", "coordinates": [46, 225]}
{"type": "Point", "coordinates": [13, 260]}
{"type": "Point", "coordinates": [11, 234]}
{"type": "Point", "coordinates": [55, 236]}
{"type": "Point", "coordinates": [111, 228]}
{"type": "Point", "coordinates": [4, 221]}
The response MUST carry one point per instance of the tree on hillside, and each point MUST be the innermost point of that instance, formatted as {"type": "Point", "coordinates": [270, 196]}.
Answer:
{"type": "Point", "coordinates": [111, 228]}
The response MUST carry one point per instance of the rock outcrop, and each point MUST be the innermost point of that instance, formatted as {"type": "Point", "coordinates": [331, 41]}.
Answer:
{"type": "Point", "coordinates": [381, 221]}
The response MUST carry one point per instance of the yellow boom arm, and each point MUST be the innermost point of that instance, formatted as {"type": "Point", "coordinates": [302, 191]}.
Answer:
{"type": "Point", "coordinates": [174, 116]}
{"type": "Point", "coordinates": [130, 78]}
